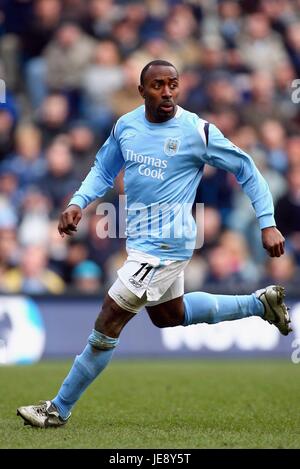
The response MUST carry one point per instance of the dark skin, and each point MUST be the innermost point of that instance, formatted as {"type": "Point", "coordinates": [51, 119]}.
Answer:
{"type": "Point", "coordinates": [160, 91]}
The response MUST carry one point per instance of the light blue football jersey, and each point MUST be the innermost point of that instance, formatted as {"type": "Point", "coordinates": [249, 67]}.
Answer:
{"type": "Point", "coordinates": [163, 165]}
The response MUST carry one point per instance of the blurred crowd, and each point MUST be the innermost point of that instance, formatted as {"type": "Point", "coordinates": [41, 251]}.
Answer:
{"type": "Point", "coordinates": [71, 68]}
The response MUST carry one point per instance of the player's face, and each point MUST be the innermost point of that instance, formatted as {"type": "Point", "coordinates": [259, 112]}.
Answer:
{"type": "Point", "coordinates": [160, 92]}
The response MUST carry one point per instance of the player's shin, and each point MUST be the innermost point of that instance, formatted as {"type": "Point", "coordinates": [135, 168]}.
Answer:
{"type": "Point", "coordinates": [205, 307]}
{"type": "Point", "coordinates": [86, 367]}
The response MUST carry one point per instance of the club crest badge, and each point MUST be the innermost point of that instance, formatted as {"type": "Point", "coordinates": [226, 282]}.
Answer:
{"type": "Point", "coordinates": [171, 146]}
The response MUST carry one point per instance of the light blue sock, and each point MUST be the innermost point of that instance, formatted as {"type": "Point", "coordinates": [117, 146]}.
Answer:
{"type": "Point", "coordinates": [204, 307]}
{"type": "Point", "coordinates": [85, 369]}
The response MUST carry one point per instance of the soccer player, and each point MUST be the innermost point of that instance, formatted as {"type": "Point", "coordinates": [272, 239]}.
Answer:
{"type": "Point", "coordinates": [163, 149]}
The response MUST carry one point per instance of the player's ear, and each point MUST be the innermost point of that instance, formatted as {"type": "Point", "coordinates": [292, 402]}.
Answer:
{"type": "Point", "coordinates": [141, 91]}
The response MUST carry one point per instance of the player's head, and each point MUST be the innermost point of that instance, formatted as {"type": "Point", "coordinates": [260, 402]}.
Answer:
{"type": "Point", "coordinates": [159, 87]}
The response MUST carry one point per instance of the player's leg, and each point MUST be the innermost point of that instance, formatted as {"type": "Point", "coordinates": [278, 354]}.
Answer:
{"type": "Point", "coordinates": [167, 314]}
{"type": "Point", "coordinates": [175, 308]}
{"type": "Point", "coordinates": [95, 357]}
{"type": "Point", "coordinates": [267, 303]}
{"type": "Point", "coordinates": [199, 307]}
{"type": "Point", "coordinates": [92, 361]}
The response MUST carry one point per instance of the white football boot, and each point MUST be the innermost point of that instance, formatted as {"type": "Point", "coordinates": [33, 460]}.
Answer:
{"type": "Point", "coordinates": [44, 415]}
{"type": "Point", "coordinates": [276, 312]}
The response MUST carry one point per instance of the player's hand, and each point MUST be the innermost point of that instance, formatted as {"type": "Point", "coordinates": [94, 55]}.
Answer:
{"type": "Point", "coordinates": [69, 220]}
{"type": "Point", "coordinates": [273, 241]}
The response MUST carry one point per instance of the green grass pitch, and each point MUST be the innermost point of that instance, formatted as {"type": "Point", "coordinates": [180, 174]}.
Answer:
{"type": "Point", "coordinates": [161, 404]}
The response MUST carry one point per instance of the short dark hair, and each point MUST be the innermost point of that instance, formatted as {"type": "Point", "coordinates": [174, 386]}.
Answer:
{"type": "Point", "coordinates": [154, 62]}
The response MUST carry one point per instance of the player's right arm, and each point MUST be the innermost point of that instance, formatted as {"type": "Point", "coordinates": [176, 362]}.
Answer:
{"type": "Point", "coordinates": [108, 163]}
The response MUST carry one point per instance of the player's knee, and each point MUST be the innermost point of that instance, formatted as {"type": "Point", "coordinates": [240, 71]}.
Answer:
{"type": "Point", "coordinates": [100, 341]}
{"type": "Point", "coordinates": [165, 320]}
{"type": "Point", "coordinates": [160, 323]}
{"type": "Point", "coordinates": [163, 315]}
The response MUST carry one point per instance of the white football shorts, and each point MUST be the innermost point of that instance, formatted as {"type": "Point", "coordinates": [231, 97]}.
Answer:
{"type": "Point", "coordinates": [143, 281]}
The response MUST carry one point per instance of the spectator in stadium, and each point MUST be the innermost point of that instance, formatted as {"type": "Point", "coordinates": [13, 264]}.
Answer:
{"type": "Point", "coordinates": [100, 18]}
{"type": "Point", "coordinates": [27, 161]}
{"type": "Point", "coordinates": [261, 47]}
{"type": "Point", "coordinates": [126, 98]}
{"type": "Point", "coordinates": [273, 139]}
{"type": "Point", "coordinates": [7, 129]}
{"type": "Point", "coordinates": [127, 37]}
{"type": "Point", "coordinates": [40, 29]}
{"type": "Point", "coordinates": [221, 92]}
{"type": "Point", "coordinates": [283, 271]}
{"type": "Point", "coordinates": [230, 22]}
{"type": "Point", "coordinates": [52, 117]}
{"type": "Point", "coordinates": [100, 80]}
{"type": "Point", "coordinates": [9, 249]}
{"type": "Point", "coordinates": [262, 104]}
{"type": "Point", "coordinates": [87, 278]}
{"type": "Point", "coordinates": [293, 151]}
{"type": "Point", "coordinates": [34, 213]}
{"type": "Point", "coordinates": [62, 66]}
{"type": "Point", "coordinates": [284, 77]}
{"type": "Point", "coordinates": [215, 190]}
{"type": "Point", "coordinates": [76, 252]}
{"type": "Point", "coordinates": [59, 180]}
{"type": "Point", "coordinates": [33, 276]}
{"type": "Point", "coordinates": [288, 212]}
{"type": "Point", "coordinates": [221, 270]}
{"type": "Point", "coordinates": [164, 167]}
{"type": "Point", "coordinates": [9, 188]}
{"type": "Point", "coordinates": [82, 145]}
{"type": "Point", "coordinates": [181, 33]}
{"type": "Point", "coordinates": [293, 44]}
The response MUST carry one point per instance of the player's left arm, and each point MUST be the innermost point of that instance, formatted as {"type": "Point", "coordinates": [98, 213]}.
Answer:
{"type": "Point", "coordinates": [222, 153]}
